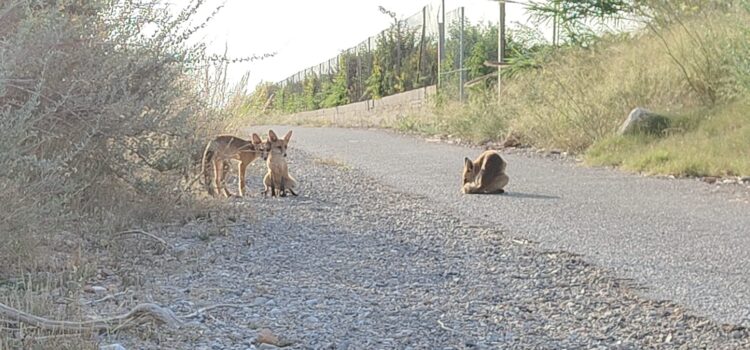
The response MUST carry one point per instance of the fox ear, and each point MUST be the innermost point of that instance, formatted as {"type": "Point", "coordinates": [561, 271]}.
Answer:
{"type": "Point", "coordinates": [272, 136]}
{"type": "Point", "coordinates": [256, 138]}
{"type": "Point", "coordinates": [467, 163]}
{"type": "Point", "coordinates": [288, 136]}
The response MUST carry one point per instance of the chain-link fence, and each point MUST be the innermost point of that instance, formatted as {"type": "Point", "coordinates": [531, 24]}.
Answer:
{"type": "Point", "coordinates": [404, 36]}
{"type": "Point", "coordinates": [427, 48]}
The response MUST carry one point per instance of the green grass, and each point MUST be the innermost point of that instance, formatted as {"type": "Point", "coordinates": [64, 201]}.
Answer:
{"type": "Point", "coordinates": [713, 141]}
{"type": "Point", "coordinates": [695, 73]}
{"type": "Point", "coordinates": [698, 82]}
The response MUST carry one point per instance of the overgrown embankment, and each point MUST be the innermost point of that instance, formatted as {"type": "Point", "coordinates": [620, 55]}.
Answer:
{"type": "Point", "coordinates": [695, 70]}
{"type": "Point", "coordinates": [690, 64]}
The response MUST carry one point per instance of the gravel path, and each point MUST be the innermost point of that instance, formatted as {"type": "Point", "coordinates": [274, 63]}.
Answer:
{"type": "Point", "coordinates": [683, 239]}
{"type": "Point", "coordinates": [356, 264]}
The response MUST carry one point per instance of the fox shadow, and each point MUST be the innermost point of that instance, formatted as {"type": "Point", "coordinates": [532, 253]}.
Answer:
{"type": "Point", "coordinates": [528, 195]}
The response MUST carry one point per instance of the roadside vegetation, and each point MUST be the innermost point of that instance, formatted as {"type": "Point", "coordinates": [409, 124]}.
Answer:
{"type": "Point", "coordinates": [105, 107]}
{"type": "Point", "coordinates": [688, 61]}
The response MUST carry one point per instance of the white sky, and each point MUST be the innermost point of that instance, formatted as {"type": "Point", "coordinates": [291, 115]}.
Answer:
{"type": "Point", "coordinates": [306, 33]}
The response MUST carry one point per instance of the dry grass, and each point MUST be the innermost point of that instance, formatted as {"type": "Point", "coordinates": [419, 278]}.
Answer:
{"type": "Point", "coordinates": [101, 130]}
{"type": "Point", "coordinates": [706, 142]}
{"type": "Point", "coordinates": [694, 69]}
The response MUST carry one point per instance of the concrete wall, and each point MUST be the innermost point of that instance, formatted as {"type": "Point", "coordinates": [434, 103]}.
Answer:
{"type": "Point", "coordinates": [370, 112]}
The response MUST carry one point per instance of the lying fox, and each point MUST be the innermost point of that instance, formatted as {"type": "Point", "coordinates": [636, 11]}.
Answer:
{"type": "Point", "coordinates": [217, 155]}
{"type": "Point", "coordinates": [485, 175]}
{"type": "Point", "coordinates": [277, 179]}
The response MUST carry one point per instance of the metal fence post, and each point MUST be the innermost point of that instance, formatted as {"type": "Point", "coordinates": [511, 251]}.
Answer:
{"type": "Point", "coordinates": [421, 47]}
{"type": "Point", "coordinates": [441, 43]}
{"type": "Point", "coordinates": [461, 57]}
{"type": "Point", "coordinates": [500, 47]}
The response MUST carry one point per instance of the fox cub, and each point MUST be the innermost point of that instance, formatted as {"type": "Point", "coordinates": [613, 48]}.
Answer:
{"type": "Point", "coordinates": [277, 179]}
{"type": "Point", "coordinates": [217, 155]}
{"type": "Point", "coordinates": [485, 175]}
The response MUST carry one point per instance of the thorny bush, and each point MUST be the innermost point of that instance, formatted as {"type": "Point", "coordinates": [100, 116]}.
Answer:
{"type": "Point", "coordinates": [101, 119]}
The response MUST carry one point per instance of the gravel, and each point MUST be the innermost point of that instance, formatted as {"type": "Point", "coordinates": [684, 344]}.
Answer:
{"type": "Point", "coordinates": [684, 239]}
{"type": "Point", "coordinates": [355, 264]}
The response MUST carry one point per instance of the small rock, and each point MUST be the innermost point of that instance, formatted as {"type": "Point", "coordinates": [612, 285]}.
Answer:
{"type": "Point", "coordinates": [311, 322]}
{"type": "Point", "coordinates": [641, 119]}
{"type": "Point", "coordinates": [745, 179]}
{"type": "Point", "coordinates": [512, 139]}
{"type": "Point", "coordinates": [710, 179]}
{"type": "Point", "coordinates": [260, 301]}
{"type": "Point", "coordinates": [112, 347]}
{"type": "Point", "coordinates": [266, 336]}
{"type": "Point", "coordinates": [95, 289]}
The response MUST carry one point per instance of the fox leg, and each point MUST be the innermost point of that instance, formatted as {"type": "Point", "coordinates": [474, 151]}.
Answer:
{"type": "Point", "coordinates": [469, 188]}
{"type": "Point", "coordinates": [242, 169]}
{"type": "Point", "coordinates": [266, 184]}
{"type": "Point", "coordinates": [283, 188]}
{"type": "Point", "coordinates": [207, 172]}
{"type": "Point", "coordinates": [225, 167]}
{"type": "Point", "coordinates": [218, 176]}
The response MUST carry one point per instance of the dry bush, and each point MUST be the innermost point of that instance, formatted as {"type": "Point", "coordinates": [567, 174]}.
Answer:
{"type": "Point", "coordinates": [100, 117]}
{"type": "Point", "coordinates": [104, 111]}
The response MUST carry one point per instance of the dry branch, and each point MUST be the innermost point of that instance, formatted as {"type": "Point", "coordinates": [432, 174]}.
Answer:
{"type": "Point", "coordinates": [489, 63]}
{"type": "Point", "coordinates": [144, 233]}
{"type": "Point", "coordinates": [108, 297]}
{"type": "Point", "coordinates": [140, 314]}
{"type": "Point", "coordinates": [478, 80]}
{"type": "Point", "coordinates": [208, 308]}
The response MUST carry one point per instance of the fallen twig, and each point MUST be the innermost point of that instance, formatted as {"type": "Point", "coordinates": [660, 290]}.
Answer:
{"type": "Point", "coordinates": [141, 313]}
{"type": "Point", "coordinates": [208, 308]}
{"type": "Point", "coordinates": [443, 326]}
{"type": "Point", "coordinates": [144, 233]}
{"type": "Point", "coordinates": [108, 297]}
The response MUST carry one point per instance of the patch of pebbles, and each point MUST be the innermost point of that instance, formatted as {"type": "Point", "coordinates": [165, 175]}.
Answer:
{"type": "Point", "coordinates": [352, 264]}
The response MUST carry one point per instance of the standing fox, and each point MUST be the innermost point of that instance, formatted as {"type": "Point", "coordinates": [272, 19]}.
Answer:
{"type": "Point", "coordinates": [485, 175]}
{"type": "Point", "coordinates": [218, 153]}
{"type": "Point", "coordinates": [277, 179]}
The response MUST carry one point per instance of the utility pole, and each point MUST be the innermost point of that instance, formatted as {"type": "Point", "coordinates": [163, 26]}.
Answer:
{"type": "Point", "coordinates": [500, 45]}
{"type": "Point", "coordinates": [441, 42]}
{"type": "Point", "coordinates": [461, 59]}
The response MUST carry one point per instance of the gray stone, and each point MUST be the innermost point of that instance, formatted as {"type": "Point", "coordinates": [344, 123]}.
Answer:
{"type": "Point", "coordinates": [641, 119]}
